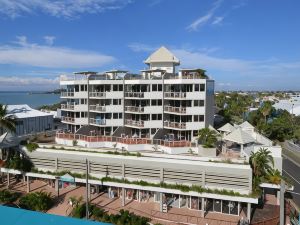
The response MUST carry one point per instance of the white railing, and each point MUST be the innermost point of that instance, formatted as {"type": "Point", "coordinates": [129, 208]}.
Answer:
{"type": "Point", "coordinates": [175, 94]}
{"type": "Point", "coordinates": [134, 94]}
{"type": "Point", "coordinates": [98, 108]}
{"type": "Point", "coordinates": [98, 121]}
{"type": "Point", "coordinates": [68, 119]}
{"type": "Point", "coordinates": [97, 94]}
{"type": "Point", "coordinates": [136, 123]}
{"type": "Point", "coordinates": [175, 109]}
{"type": "Point", "coordinates": [134, 109]}
{"type": "Point", "coordinates": [68, 106]}
{"type": "Point", "coordinates": [177, 125]}
{"type": "Point", "coordinates": [67, 94]}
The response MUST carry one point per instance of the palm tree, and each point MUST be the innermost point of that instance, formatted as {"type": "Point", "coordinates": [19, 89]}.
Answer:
{"type": "Point", "coordinates": [207, 137]}
{"type": "Point", "coordinates": [262, 162]}
{"type": "Point", "coordinates": [274, 177]}
{"type": "Point", "coordinates": [266, 109]}
{"type": "Point", "coordinates": [7, 122]}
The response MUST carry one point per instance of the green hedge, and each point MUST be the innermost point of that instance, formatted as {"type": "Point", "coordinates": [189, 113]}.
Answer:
{"type": "Point", "coordinates": [31, 146]}
{"type": "Point", "coordinates": [37, 201]}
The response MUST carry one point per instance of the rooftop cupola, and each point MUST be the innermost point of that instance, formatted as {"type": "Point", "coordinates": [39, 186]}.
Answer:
{"type": "Point", "coordinates": [162, 59]}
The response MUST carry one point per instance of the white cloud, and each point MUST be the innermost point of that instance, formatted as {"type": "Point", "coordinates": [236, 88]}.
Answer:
{"type": "Point", "coordinates": [58, 8]}
{"type": "Point", "coordinates": [24, 53]}
{"type": "Point", "coordinates": [206, 18]}
{"type": "Point", "coordinates": [49, 40]}
{"type": "Point", "coordinates": [218, 20]}
{"type": "Point", "coordinates": [139, 47]}
{"type": "Point", "coordinates": [27, 81]}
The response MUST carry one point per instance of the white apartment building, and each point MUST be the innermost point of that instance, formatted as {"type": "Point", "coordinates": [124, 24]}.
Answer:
{"type": "Point", "coordinates": [160, 103]}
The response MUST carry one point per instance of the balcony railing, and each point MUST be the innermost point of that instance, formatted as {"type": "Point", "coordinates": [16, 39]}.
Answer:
{"type": "Point", "coordinates": [98, 121]}
{"type": "Point", "coordinates": [98, 108]}
{"type": "Point", "coordinates": [175, 109]}
{"type": "Point", "coordinates": [68, 106]}
{"type": "Point", "coordinates": [97, 94]}
{"type": "Point", "coordinates": [68, 119]}
{"type": "Point", "coordinates": [177, 125]}
{"type": "Point", "coordinates": [136, 123]}
{"type": "Point", "coordinates": [67, 94]}
{"type": "Point", "coordinates": [134, 109]}
{"type": "Point", "coordinates": [175, 95]}
{"type": "Point", "coordinates": [134, 94]}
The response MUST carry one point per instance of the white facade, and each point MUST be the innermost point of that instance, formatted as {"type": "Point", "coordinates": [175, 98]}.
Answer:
{"type": "Point", "coordinates": [158, 103]}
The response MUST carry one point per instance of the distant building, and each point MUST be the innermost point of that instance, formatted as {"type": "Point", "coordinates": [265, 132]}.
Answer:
{"type": "Point", "coordinates": [30, 121]}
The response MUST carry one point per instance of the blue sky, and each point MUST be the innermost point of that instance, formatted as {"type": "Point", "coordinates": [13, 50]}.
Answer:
{"type": "Point", "coordinates": [243, 44]}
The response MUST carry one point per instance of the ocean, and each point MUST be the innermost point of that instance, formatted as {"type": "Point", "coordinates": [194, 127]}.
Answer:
{"type": "Point", "coordinates": [33, 99]}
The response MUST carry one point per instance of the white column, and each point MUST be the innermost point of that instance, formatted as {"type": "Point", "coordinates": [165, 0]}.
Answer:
{"type": "Point", "coordinates": [160, 201]}
{"type": "Point", "coordinates": [249, 211]}
{"type": "Point", "coordinates": [179, 201]}
{"type": "Point", "coordinates": [28, 184]}
{"type": "Point", "coordinates": [202, 207]}
{"type": "Point", "coordinates": [8, 180]}
{"type": "Point", "coordinates": [123, 196]}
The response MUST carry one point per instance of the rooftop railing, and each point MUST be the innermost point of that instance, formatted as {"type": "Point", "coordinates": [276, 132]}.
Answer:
{"type": "Point", "coordinates": [175, 109]}
{"type": "Point", "coordinates": [124, 140]}
{"type": "Point", "coordinates": [98, 108]}
{"type": "Point", "coordinates": [178, 125]}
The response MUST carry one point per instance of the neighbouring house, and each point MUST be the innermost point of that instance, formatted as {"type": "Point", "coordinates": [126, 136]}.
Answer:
{"type": "Point", "coordinates": [29, 120]}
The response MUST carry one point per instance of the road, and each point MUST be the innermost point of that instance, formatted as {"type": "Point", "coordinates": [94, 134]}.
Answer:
{"type": "Point", "coordinates": [292, 170]}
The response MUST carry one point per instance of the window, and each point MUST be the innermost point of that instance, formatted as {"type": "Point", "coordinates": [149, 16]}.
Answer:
{"type": "Point", "coordinates": [156, 117]}
{"type": "Point", "coordinates": [153, 130]}
{"type": "Point", "coordinates": [202, 87]}
{"type": "Point", "coordinates": [159, 102]}
{"type": "Point", "coordinates": [120, 115]}
{"type": "Point", "coordinates": [115, 115]}
{"type": "Point", "coordinates": [115, 87]}
{"type": "Point", "coordinates": [120, 87]}
{"type": "Point", "coordinates": [154, 87]}
{"type": "Point", "coordinates": [196, 87]}
{"type": "Point", "coordinates": [198, 118]}
{"type": "Point", "coordinates": [198, 102]}
{"type": "Point", "coordinates": [115, 101]}
{"type": "Point", "coordinates": [159, 87]}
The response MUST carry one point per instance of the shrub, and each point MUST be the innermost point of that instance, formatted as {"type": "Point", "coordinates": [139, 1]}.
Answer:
{"type": "Point", "coordinates": [37, 201]}
{"type": "Point", "coordinates": [8, 197]}
{"type": "Point", "coordinates": [75, 142]}
{"type": "Point", "coordinates": [31, 146]}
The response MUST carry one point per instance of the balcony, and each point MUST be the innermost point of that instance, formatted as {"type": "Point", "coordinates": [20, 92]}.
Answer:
{"type": "Point", "coordinates": [68, 106]}
{"type": "Point", "coordinates": [98, 121]}
{"type": "Point", "coordinates": [135, 123]}
{"type": "Point", "coordinates": [134, 94]}
{"type": "Point", "coordinates": [179, 110]}
{"type": "Point", "coordinates": [98, 108]}
{"type": "Point", "coordinates": [67, 94]}
{"type": "Point", "coordinates": [175, 94]}
{"type": "Point", "coordinates": [97, 94]}
{"type": "Point", "coordinates": [134, 109]}
{"type": "Point", "coordinates": [176, 125]}
{"type": "Point", "coordinates": [68, 119]}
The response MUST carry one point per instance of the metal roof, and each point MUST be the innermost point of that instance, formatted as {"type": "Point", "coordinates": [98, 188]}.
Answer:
{"type": "Point", "coordinates": [226, 128]}
{"type": "Point", "coordinates": [162, 55]}
{"type": "Point", "coordinates": [239, 136]}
